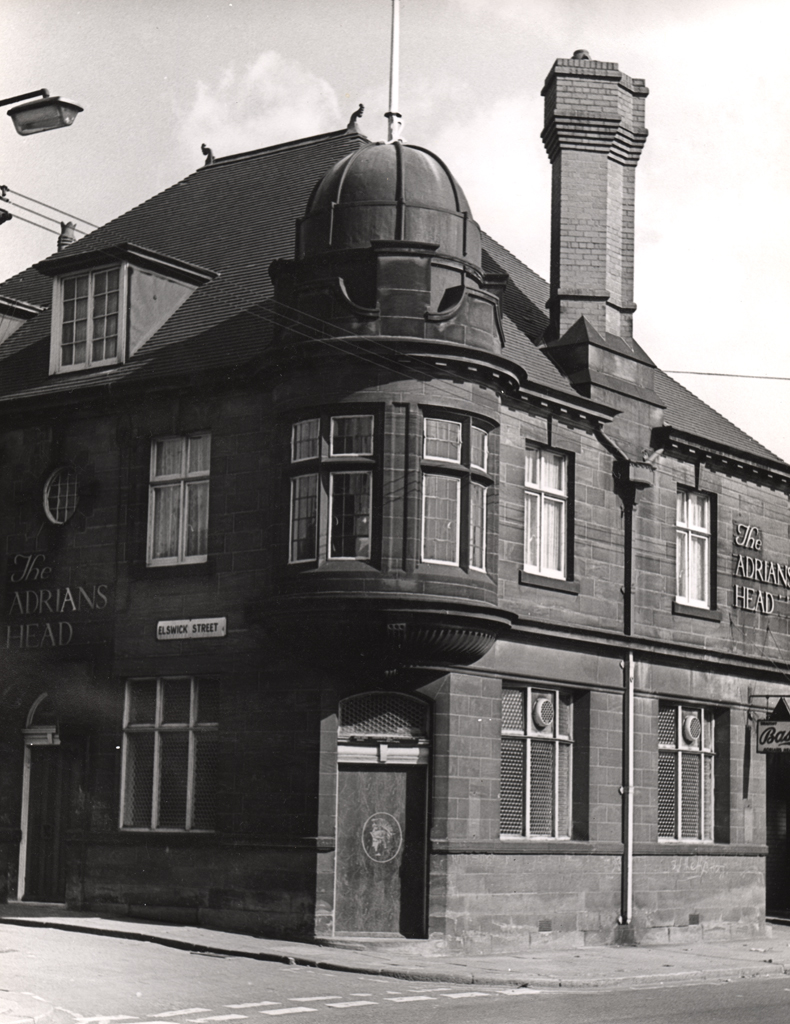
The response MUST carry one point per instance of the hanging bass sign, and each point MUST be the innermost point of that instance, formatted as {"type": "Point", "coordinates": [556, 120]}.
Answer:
{"type": "Point", "coordinates": [773, 733]}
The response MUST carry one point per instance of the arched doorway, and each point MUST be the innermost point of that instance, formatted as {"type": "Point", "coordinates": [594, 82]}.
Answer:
{"type": "Point", "coordinates": [51, 779]}
{"type": "Point", "coordinates": [381, 864]}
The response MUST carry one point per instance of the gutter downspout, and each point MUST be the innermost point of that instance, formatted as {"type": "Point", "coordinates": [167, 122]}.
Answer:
{"type": "Point", "coordinates": [631, 475]}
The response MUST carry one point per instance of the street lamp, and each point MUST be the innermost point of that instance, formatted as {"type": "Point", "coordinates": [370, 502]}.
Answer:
{"type": "Point", "coordinates": [41, 115]}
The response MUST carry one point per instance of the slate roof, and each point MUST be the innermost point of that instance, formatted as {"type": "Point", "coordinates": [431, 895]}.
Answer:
{"type": "Point", "coordinates": [234, 217]}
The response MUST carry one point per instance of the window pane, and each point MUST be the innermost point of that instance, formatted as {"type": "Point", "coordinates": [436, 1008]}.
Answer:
{"type": "Point", "coordinates": [169, 457]}
{"type": "Point", "coordinates": [166, 519]}
{"type": "Point", "coordinates": [199, 451]}
{"type": "Point", "coordinates": [698, 568]}
{"type": "Point", "coordinates": [176, 700]}
{"type": "Point", "coordinates": [532, 531]}
{"type": "Point", "coordinates": [554, 471]}
{"type": "Point", "coordinates": [563, 789]}
{"type": "Point", "coordinates": [697, 515]}
{"type": "Point", "coordinates": [443, 440]}
{"type": "Point", "coordinates": [667, 793]}
{"type": "Point", "coordinates": [440, 519]}
{"type": "Point", "coordinates": [350, 515]}
{"type": "Point", "coordinates": [690, 796]}
{"type": "Point", "coordinates": [305, 440]}
{"type": "Point", "coordinates": [511, 791]}
{"type": "Point", "coordinates": [541, 788]}
{"type": "Point", "coordinates": [532, 467]}
{"type": "Point", "coordinates": [352, 435]}
{"type": "Point", "coordinates": [681, 564]}
{"type": "Point", "coordinates": [173, 764]}
{"type": "Point", "coordinates": [707, 810]}
{"type": "Point", "coordinates": [513, 709]}
{"type": "Point", "coordinates": [304, 510]}
{"type": "Point", "coordinates": [477, 526]}
{"type": "Point", "coordinates": [479, 453]}
{"type": "Point", "coordinates": [553, 553]}
{"type": "Point", "coordinates": [667, 724]}
{"type": "Point", "coordinates": [197, 519]}
{"type": "Point", "coordinates": [139, 780]}
{"type": "Point", "coordinates": [204, 804]}
{"type": "Point", "coordinates": [208, 701]}
{"type": "Point", "coordinates": [142, 701]}
{"type": "Point", "coordinates": [681, 508]}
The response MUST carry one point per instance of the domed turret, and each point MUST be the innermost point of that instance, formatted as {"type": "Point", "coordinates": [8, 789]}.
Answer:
{"type": "Point", "coordinates": [389, 192]}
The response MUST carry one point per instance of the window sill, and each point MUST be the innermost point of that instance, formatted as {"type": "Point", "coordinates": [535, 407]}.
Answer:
{"type": "Point", "coordinates": [186, 571]}
{"type": "Point", "coordinates": [697, 848]}
{"type": "Point", "coordinates": [521, 846]}
{"type": "Point", "coordinates": [531, 579]}
{"type": "Point", "coordinates": [692, 612]}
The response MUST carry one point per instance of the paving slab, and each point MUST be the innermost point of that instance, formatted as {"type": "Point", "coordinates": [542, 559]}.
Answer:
{"type": "Point", "coordinates": [585, 967]}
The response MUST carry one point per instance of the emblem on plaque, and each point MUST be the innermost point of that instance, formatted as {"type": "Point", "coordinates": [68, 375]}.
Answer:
{"type": "Point", "coordinates": [381, 837]}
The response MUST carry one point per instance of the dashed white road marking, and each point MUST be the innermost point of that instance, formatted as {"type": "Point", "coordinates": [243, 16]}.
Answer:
{"type": "Point", "coordinates": [409, 999]}
{"type": "Point", "coordinates": [353, 1002]}
{"type": "Point", "coordinates": [249, 1006]}
{"type": "Point", "coordinates": [311, 999]}
{"type": "Point", "coordinates": [291, 1009]}
{"type": "Point", "coordinates": [181, 1013]}
{"type": "Point", "coordinates": [222, 1016]}
{"type": "Point", "coordinates": [524, 991]}
{"type": "Point", "coordinates": [102, 1020]}
{"type": "Point", "coordinates": [465, 995]}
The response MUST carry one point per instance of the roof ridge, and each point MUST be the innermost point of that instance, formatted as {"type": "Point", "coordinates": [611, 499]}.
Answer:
{"type": "Point", "coordinates": [279, 146]}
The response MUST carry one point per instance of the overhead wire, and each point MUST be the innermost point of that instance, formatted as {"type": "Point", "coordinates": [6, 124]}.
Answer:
{"type": "Point", "coordinates": [38, 202]}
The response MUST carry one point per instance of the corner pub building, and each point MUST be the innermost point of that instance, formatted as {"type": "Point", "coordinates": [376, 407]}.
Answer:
{"type": "Point", "coordinates": [358, 581]}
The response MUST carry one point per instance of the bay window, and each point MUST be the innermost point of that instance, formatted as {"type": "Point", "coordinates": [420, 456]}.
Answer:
{"type": "Point", "coordinates": [332, 488]}
{"type": "Point", "coordinates": [455, 487]}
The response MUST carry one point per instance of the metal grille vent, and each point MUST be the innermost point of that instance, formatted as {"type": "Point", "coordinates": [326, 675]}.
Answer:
{"type": "Point", "coordinates": [667, 783]}
{"type": "Point", "coordinates": [690, 797]}
{"type": "Point", "coordinates": [543, 712]}
{"type": "Point", "coordinates": [511, 801]}
{"type": "Point", "coordinates": [513, 710]}
{"type": "Point", "coordinates": [541, 782]}
{"type": "Point", "coordinates": [383, 714]}
{"type": "Point", "coordinates": [692, 728]}
{"type": "Point", "coordinates": [666, 724]}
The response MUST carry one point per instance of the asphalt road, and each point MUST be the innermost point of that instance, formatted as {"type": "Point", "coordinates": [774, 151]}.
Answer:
{"type": "Point", "coordinates": [94, 979]}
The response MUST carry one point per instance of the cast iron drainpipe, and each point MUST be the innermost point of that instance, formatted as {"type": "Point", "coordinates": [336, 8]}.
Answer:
{"type": "Point", "coordinates": [623, 466]}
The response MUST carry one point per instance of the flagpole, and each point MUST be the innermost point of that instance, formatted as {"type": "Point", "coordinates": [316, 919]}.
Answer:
{"type": "Point", "coordinates": [393, 117]}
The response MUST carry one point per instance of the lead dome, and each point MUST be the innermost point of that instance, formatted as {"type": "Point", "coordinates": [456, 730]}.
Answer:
{"type": "Point", "coordinates": [390, 192]}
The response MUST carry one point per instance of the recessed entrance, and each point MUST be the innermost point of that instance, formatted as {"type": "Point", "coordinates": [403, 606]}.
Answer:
{"type": "Point", "coordinates": [777, 862]}
{"type": "Point", "coordinates": [50, 785]}
{"type": "Point", "coordinates": [380, 874]}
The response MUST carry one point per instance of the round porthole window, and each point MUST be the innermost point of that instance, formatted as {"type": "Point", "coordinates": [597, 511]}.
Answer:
{"type": "Point", "coordinates": [60, 495]}
{"type": "Point", "coordinates": [543, 712]}
{"type": "Point", "coordinates": [692, 728]}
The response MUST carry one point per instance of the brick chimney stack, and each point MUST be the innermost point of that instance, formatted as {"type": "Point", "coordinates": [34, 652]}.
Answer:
{"type": "Point", "coordinates": [594, 133]}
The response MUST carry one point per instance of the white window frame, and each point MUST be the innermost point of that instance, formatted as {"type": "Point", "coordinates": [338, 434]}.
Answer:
{"type": "Point", "coordinates": [65, 479]}
{"type": "Point", "coordinates": [292, 520]}
{"type": "Point", "coordinates": [543, 494]}
{"type": "Point", "coordinates": [184, 478]}
{"type": "Point", "coordinates": [427, 439]}
{"type": "Point", "coordinates": [686, 536]}
{"type": "Point", "coordinates": [474, 486]}
{"type": "Point", "coordinates": [295, 440]}
{"type": "Point", "coordinates": [457, 539]}
{"type": "Point", "coordinates": [369, 514]}
{"type": "Point", "coordinates": [527, 735]}
{"type": "Point", "coordinates": [193, 728]}
{"type": "Point", "coordinates": [702, 749]}
{"type": "Point", "coordinates": [351, 416]}
{"type": "Point", "coordinates": [56, 347]}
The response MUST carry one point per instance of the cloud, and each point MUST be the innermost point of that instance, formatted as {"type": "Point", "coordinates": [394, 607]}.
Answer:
{"type": "Point", "coordinates": [273, 100]}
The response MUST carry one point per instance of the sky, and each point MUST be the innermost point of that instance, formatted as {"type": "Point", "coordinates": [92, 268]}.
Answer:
{"type": "Point", "coordinates": [159, 77]}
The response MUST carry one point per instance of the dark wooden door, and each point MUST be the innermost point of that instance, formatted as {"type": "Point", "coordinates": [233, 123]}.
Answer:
{"type": "Point", "coordinates": [53, 787]}
{"type": "Point", "coordinates": [777, 863]}
{"type": "Point", "coordinates": [381, 864]}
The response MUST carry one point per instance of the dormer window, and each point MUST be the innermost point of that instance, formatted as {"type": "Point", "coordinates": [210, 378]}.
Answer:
{"type": "Point", "coordinates": [107, 304]}
{"type": "Point", "coordinates": [91, 329]}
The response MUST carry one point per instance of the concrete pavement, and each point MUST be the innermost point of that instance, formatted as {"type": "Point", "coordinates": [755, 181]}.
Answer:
{"type": "Point", "coordinates": [547, 967]}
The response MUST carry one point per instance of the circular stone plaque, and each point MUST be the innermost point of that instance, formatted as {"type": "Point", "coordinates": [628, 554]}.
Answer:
{"type": "Point", "coordinates": [381, 837]}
